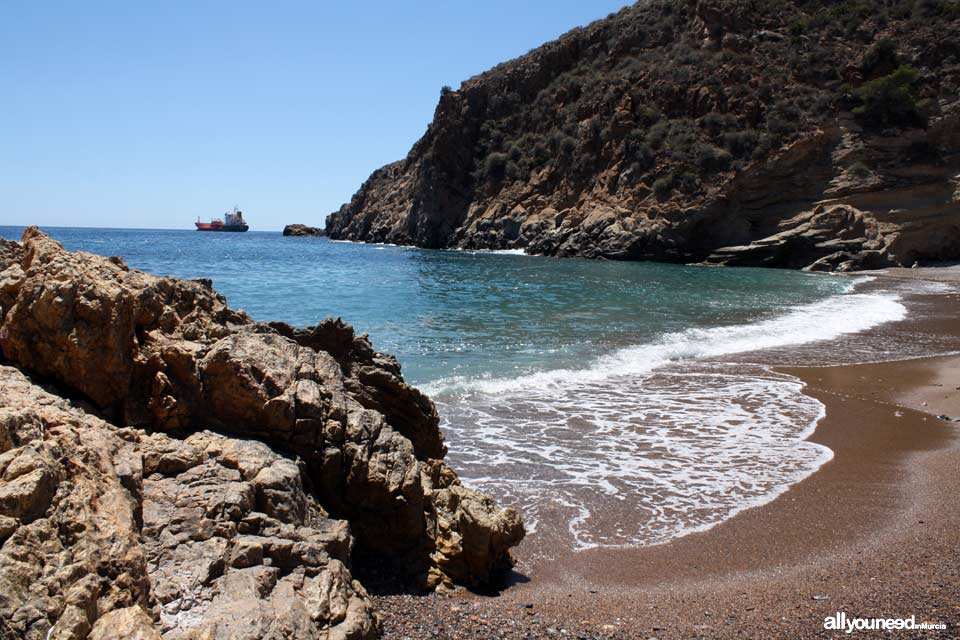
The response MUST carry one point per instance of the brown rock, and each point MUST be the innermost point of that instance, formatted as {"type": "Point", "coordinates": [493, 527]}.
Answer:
{"type": "Point", "coordinates": [74, 550]}
{"type": "Point", "coordinates": [303, 230]}
{"type": "Point", "coordinates": [169, 355]}
{"type": "Point", "coordinates": [130, 623]}
{"type": "Point", "coordinates": [200, 536]}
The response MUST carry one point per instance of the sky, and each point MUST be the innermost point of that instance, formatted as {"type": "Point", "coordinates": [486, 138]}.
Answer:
{"type": "Point", "coordinates": [150, 114]}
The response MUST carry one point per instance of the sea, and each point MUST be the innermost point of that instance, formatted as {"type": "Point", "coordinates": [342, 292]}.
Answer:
{"type": "Point", "coordinates": [614, 404]}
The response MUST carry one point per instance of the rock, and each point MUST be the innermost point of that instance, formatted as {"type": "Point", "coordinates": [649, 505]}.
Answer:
{"type": "Point", "coordinates": [201, 537]}
{"type": "Point", "coordinates": [303, 230]}
{"type": "Point", "coordinates": [834, 238]}
{"type": "Point", "coordinates": [130, 623]}
{"type": "Point", "coordinates": [221, 566]}
{"type": "Point", "coordinates": [74, 551]}
{"type": "Point", "coordinates": [69, 307]}
{"type": "Point", "coordinates": [216, 531]}
{"type": "Point", "coordinates": [471, 533]}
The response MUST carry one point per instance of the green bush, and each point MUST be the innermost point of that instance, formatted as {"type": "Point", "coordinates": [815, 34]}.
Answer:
{"type": "Point", "coordinates": [880, 58]}
{"type": "Point", "coordinates": [541, 154]}
{"type": "Point", "coordinates": [740, 143]}
{"type": "Point", "coordinates": [890, 101]}
{"type": "Point", "coordinates": [495, 166]}
{"type": "Point", "coordinates": [662, 187]}
{"type": "Point", "coordinates": [637, 150]}
{"type": "Point", "coordinates": [710, 158]}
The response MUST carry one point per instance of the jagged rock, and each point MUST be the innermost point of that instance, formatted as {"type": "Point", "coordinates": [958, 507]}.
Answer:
{"type": "Point", "coordinates": [303, 230]}
{"type": "Point", "coordinates": [374, 380]}
{"type": "Point", "coordinates": [169, 355]}
{"type": "Point", "coordinates": [818, 240]}
{"type": "Point", "coordinates": [73, 553]}
{"type": "Point", "coordinates": [81, 320]}
{"type": "Point", "coordinates": [145, 524]}
{"type": "Point", "coordinates": [237, 547]}
{"type": "Point", "coordinates": [130, 623]}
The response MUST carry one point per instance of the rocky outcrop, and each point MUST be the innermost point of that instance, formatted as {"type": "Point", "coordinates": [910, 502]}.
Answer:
{"type": "Point", "coordinates": [238, 548]}
{"type": "Point", "coordinates": [690, 131]}
{"type": "Point", "coordinates": [70, 538]}
{"type": "Point", "coordinates": [303, 230]}
{"type": "Point", "coordinates": [114, 532]}
{"type": "Point", "coordinates": [239, 467]}
{"type": "Point", "coordinates": [826, 236]}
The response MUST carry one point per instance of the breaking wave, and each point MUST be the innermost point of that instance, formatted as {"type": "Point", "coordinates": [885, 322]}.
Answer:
{"type": "Point", "coordinates": [652, 441]}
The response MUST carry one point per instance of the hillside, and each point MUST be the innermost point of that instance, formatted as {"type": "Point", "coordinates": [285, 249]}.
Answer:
{"type": "Point", "coordinates": [783, 133]}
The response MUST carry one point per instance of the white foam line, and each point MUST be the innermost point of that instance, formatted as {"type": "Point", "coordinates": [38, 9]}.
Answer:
{"type": "Point", "coordinates": [822, 320]}
{"type": "Point", "coordinates": [372, 244]}
{"type": "Point", "coordinates": [493, 252]}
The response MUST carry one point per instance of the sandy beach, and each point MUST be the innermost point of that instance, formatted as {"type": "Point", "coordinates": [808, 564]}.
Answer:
{"type": "Point", "coordinates": [873, 533]}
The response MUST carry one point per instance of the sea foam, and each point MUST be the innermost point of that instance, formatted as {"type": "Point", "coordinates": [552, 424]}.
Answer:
{"type": "Point", "coordinates": [652, 441]}
{"type": "Point", "coordinates": [823, 320]}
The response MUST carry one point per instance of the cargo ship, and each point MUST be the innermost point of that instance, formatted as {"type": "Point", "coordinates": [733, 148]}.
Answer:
{"type": "Point", "coordinates": [232, 221]}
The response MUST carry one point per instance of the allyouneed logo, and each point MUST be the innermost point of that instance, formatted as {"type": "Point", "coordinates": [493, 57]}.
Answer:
{"type": "Point", "coordinates": [840, 622]}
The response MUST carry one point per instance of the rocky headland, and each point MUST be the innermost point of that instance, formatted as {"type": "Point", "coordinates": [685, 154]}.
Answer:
{"type": "Point", "coordinates": [303, 230]}
{"type": "Point", "coordinates": [170, 468]}
{"type": "Point", "coordinates": [784, 134]}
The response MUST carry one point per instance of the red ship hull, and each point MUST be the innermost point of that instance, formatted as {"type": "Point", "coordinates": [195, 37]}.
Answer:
{"type": "Point", "coordinates": [213, 226]}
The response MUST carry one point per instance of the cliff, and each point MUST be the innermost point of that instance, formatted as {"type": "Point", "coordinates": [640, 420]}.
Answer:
{"type": "Point", "coordinates": [789, 133]}
{"type": "Point", "coordinates": [169, 466]}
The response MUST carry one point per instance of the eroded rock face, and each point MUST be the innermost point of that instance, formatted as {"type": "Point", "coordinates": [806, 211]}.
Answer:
{"type": "Point", "coordinates": [823, 237]}
{"type": "Point", "coordinates": [227, 536]}
{"type": "Point", "coordinates": [119, 533]}
{"type": "Point", "coordinates": [70, 548]}
{"type": "Point", "coordinates": [238, 548]}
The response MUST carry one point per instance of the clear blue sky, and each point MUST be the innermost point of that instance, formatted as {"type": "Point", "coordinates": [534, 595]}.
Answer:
{"type": "Point", "coordinates": [148, 114]}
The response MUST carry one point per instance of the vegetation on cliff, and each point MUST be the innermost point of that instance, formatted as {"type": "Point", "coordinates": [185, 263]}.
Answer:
{"type": "Point", "coordinates": [611, 139]}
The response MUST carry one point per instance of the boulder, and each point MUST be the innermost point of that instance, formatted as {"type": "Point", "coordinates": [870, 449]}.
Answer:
{"type": "Point", "coordinates": [303, 230]}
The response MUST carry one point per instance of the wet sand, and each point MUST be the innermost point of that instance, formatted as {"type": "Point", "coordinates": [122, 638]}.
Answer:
{"type": "Point", "coordinates": [875, 533]}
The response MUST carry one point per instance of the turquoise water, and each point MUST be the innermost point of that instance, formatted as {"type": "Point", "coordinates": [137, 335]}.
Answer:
{"type": "Point", "coordinates": [447, 313]}
{"type": "Point", "coordinates": [603, 399]}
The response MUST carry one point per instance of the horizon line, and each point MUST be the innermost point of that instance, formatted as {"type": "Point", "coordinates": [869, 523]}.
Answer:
{"type": "Point", "coordinates": [55, 226]}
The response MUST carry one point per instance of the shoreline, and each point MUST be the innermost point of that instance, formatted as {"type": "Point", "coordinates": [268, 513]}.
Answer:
{"type": "Point", "coordinates": [874, 532]}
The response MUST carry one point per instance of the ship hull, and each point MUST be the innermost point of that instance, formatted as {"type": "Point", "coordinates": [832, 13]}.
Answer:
{"type": "Point", "coordinates": [237, 228]}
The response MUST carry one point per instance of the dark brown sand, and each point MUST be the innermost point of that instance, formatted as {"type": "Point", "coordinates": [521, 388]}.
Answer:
{"type": "Point", "coordinates": [874, 533]}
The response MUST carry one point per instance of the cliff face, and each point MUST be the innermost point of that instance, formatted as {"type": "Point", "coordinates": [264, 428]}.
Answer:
{"type": "Point", "coordinates": [689, 131]}
{"type": "Point", "coordinates": [197, 474]}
